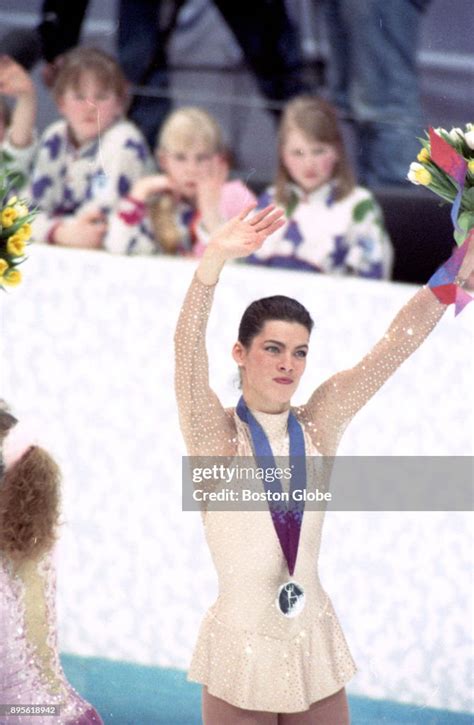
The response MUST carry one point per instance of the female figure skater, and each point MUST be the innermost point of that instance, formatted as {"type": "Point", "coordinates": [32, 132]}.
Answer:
{"type": "Point", "coordinates": [270, 650]}
{"type": "Point", "coordinates": [175, 211]}
{"type": "Point", "coordinates": [30, 669]}
{"type": "Point", "coordinates": [333, 226]}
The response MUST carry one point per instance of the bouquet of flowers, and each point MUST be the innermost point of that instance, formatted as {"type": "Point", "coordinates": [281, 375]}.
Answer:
{"type": "Point", "coordinates": [445, 165]}
{"type": "Point", "coordinates": [15, 232]}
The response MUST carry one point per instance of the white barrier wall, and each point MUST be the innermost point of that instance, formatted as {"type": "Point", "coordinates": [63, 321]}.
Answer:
{"type": "Point", "coordinates": [87, 357]}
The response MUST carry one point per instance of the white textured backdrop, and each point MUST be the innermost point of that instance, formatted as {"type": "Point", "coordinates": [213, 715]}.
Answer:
{"type": "Point", "coordinates": [87, 356]}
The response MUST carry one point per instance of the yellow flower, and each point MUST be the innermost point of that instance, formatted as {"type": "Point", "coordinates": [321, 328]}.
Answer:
{"type": "Point", "coordinates": [12, 278]}
{"type": "Point", "coordinates": [12, 200]}
{"type": "Point", "coordinates": [9, 215]}
{"type": "Point", "coordinates": [470, 165]}
{"type": "Point", "coordinates": [424, 177]}
{"type": "Point", "coordinates": [24, 232]}
{"type": "Point", "coordinates": [3, 267]}
{"type": "Point", "coordinates": [16, 245]}
{"type": "Point", "coordinates": [423, 156]}
{"type": "Point", "coordinates": [417, 174]}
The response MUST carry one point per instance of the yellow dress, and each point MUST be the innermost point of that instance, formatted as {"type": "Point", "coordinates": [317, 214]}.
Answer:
{"type": "Point", "coordinates": [248, 653]}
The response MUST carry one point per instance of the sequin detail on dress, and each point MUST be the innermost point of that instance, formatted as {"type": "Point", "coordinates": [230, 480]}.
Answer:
{"type": "Point", "coordinates": [30, 669]}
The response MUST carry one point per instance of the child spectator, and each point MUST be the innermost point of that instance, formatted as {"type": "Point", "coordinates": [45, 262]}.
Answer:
{"type": "Point", "coordinates": [189, 200]}
{"type": "Point", "coordinates": [333, 226]}
{"type": "Point", "coordinates": [17, 127]}
{"type": "Point", "coordinates": [91, 157]}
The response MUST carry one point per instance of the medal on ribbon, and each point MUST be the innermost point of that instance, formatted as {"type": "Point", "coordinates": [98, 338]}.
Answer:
{"type": "Point", "coordinates": [290, 599]}
{"type": "Point", "coordinates": [286, 520]}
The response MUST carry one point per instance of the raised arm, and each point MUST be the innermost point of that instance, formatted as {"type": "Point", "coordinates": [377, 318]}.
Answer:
{"type": "Point", "coordinates": [206, 427]}
{"type": "Point", "coordinates": [130, 229]}
{"type": "Point", "coordinates": [338, 399]}
{"type": "Point", "coordinates": [19, 144]}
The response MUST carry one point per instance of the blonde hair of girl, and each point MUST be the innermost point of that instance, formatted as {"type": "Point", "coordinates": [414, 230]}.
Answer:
{"type": "Point", "coordinates": [317, 120]}
{"type": "Point", "coordinates": [182, 130]}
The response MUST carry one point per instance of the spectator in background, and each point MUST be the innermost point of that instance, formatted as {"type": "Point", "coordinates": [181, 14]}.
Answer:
{"type": "Point", "coordinates": [374, 80]}
{"type": "Point", "coordinates": [262, 29]}
{"type": "Point", "coordinates": [333, 226]}
{"type": "Point", "coordinates": [175, 211]}
{"type": "Point", "coordinates": [91, 157]}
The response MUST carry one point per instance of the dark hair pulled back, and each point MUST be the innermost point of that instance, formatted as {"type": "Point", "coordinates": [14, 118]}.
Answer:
{"type": "Point", "coordinates": [277, 307]}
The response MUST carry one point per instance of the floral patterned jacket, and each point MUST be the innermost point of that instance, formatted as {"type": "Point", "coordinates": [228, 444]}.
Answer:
{"type": "Point", "coordinates": [325, 235]}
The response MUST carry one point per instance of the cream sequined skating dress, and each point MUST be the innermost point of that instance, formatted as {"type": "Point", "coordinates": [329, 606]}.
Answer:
{"type": "Point", "coordinates": [248, 653]}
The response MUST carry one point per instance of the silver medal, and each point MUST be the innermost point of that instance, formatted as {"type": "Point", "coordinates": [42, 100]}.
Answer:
{"type": "Point", "coordinates": [290, 599]}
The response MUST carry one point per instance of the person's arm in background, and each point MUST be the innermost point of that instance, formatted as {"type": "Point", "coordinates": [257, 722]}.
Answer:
{"type": "Point", "coordinates": [59, 31]}
{"type": "Point", "coordinates": [19, 144]}
{"type": "Point", "coordinates": [130, 230]}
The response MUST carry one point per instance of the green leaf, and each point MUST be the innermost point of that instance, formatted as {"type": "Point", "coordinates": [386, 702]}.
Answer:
{"type": "Point", "coordinates": [292, 204]}
{"type": "Point", "coordinates": [10, 177]}
{"type": "Point", "coordinates": [467, 202]}
{"type": "Point", "coordinates": [362, 209]}
{"type": "Point", "coordinates": [465, 222]}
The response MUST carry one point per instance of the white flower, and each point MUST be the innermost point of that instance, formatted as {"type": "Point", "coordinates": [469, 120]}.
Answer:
{"type": "Point", "coordinates": [21, 209]}
{"type": "Point", "coordinates": [455, 134]}
{"type": "Point", "coordinates": [469, 138]}
{"type": "Point", "coordinates": [411, 176]}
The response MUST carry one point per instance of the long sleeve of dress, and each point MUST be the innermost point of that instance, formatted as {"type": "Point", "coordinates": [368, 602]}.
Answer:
{"type": "Point", "coordinates": [207, 428]}
{"type": "Point", "coordinates": [337, 400]}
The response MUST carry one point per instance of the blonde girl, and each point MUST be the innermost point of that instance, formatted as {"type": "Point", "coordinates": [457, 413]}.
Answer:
{"type": "Point", "coordinates": [333, 225]}
{"type": "Point", "coordinates": [175, 211]}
